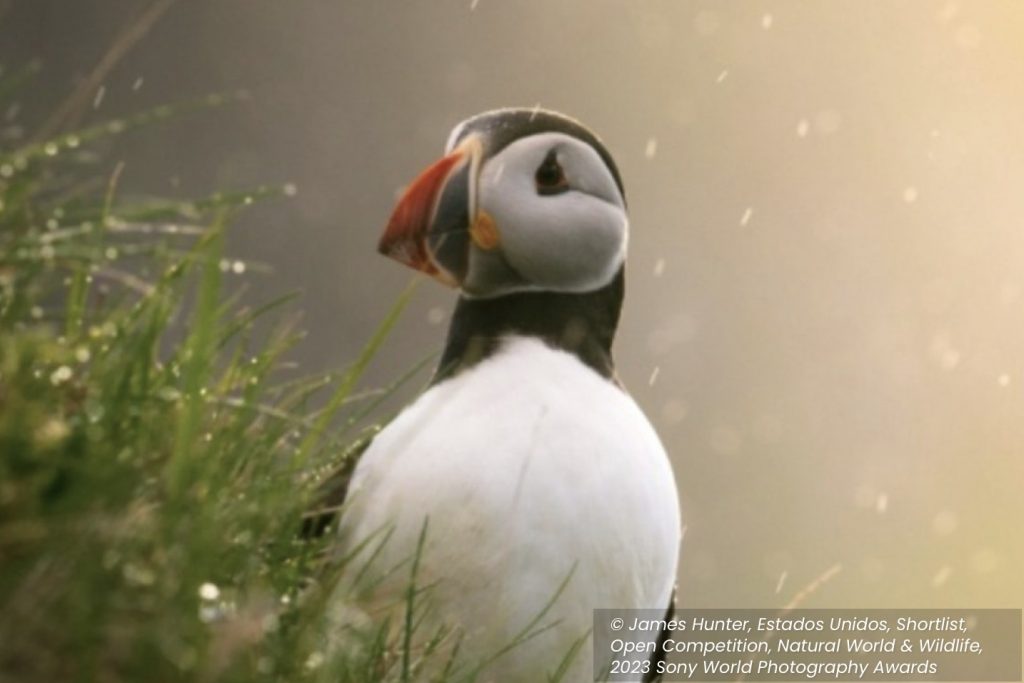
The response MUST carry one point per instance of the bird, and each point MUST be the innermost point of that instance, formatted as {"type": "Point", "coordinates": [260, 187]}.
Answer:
{"type": "Point", "coordinates": [524, 488]}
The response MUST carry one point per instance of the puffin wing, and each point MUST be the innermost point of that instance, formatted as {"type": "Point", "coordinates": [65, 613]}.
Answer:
{"type": "Point", "coordinates": [333, 493]}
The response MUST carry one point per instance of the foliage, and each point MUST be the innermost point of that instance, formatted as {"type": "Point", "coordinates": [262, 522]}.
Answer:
{"type": "Point", "coordinates": [155, 463]}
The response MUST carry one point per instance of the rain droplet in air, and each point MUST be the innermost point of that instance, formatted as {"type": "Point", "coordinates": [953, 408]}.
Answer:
{"type": "Point", "coordinates": [968, 37]}
{"type": "Point", "coordinates": [137, 84]}
{"type": "Point", "coordinates": [745, 218]}
{"type": "Point", "coordinates": [947, 12]}
{"type": "Point", "coordinates": [652, 148]}
{"type": "Point", "coordinates": [910, 195]}
{"type": "Point", "coordinates": [725, 440]}
{"type": "Point", "coordinates": [290, 190]}
{"type": "Point", "coordinates": [722, 76]}
{"type": "Point", "coordinates": [827, 121]}
{"type": "Point", "coordinates": [659, 267]}
{"type": "Point", "coordinates": [766, 21]}
{"type": "Point", "coordinates": [675, 410]}
{"type": "Point", "coordinates": [654, 375]}
{"type": "Point", "coordinates": [802, 127]}
{"type": "Point", "coordinates": [1003, 380]}
{"type": "Point", "coordinates": [941, 576]}
{"type": "Point", "coordinates": [882, 503]}
{"type": "Point", "coordinates": [435, 316]}
{"type": "Point", "coordinates": [97, 100]}
{"type": "Point", "coordinates": [706, 22]}
{"type": "Point", "coordinates": [781, 583]}
{"type": "Point", "coordinates": [945, 523]}
{"type": "Point", "coordinates": [984, 561]}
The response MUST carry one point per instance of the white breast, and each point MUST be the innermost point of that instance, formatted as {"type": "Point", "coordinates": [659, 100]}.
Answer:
{"type": "Point", "coordinates": [531, 469]}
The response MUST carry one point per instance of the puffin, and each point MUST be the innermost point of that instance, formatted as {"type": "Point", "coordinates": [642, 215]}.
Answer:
{"type": "Point", "coordinates": [524, 488]}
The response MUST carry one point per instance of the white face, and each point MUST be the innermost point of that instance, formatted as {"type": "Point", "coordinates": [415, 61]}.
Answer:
{"type": "Point", "coordinates": [560, 219]}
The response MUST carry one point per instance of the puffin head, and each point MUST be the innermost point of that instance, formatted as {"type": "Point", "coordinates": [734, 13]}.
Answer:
{"type": "Point", "coordinates": [523, 200]}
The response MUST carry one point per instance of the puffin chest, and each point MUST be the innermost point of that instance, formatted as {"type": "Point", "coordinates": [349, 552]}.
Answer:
{"type": "Point", "coordinates": [530, 452]}
{"type": "Point", "coordinates": [543, 490]}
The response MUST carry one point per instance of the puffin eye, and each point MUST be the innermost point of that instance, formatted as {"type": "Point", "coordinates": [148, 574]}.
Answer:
{"type": "Point", "coordinates": [550, 177]}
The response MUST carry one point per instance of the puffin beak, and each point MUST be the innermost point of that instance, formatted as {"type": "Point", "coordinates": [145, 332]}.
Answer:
{"type": "Point", "coordinates": [429, 229]}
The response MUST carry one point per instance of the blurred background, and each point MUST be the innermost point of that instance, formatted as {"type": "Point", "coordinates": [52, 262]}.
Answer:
{"type": "Point", "coordinates": [825, 310]}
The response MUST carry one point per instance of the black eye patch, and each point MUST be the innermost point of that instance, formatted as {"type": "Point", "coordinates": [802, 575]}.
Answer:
{"type": "Point", "coordinates": [550, 177]}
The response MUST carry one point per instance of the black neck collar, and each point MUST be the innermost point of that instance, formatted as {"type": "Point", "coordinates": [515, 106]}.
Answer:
{"type": "Point", "coordinates": [582, 324]}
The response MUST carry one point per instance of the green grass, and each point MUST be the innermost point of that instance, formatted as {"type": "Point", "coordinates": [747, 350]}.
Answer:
{"type": "Point", "coordinates": [156, 459]}
{"type": "Point", "coordinates": [155, 462]}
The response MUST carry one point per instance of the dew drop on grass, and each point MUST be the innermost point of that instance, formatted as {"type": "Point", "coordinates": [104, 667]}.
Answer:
{"type": "Point", "coordinates": [110, 253]}
{"type": "Point", "coordinates": [238, 267]}
{"type": "Point", "coordinates": [208, 613]}
{"type": "Point", "coordinates": [169, 394]}
{"type": "Point", "coordinates": [72, 141]}
{"type": "Point", "coordinates": [50, 149]}
{"type": "Point", "coordinates": [315, 660]}
{"type": "Point", "coordinates": [53, 431]}
{"type": "Point", "coordinates": [60, 375]}
{"type": "Point", "coordinates": [224, 265]}
{"type": "Point", "coordinates": [209, 591]}
{"type": "Point", "coordinates": [6, 170]}
{"type": "Point", "coordinates": [138, 574]}
{"type": "Point", "coordinates": [290, 190]}
{"type": "Point", "coordinates": [82, 354]}
{"type": "Point", "coordinates": [36, 312]}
